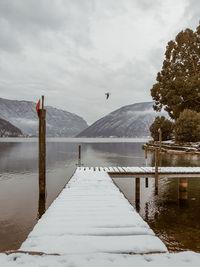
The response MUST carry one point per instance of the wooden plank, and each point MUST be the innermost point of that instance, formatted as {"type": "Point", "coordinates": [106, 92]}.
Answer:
{"type": "Point", "coordinates": [163, 171]}
{"type": "Point", "coordinates": [143, 170]}
{"type": "Point", "coordinates": [121, 169]}
{"type": "Point", "coordinates": [116, 169]}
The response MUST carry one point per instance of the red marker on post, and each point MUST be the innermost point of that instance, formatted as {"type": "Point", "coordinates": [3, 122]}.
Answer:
{"type": "Point", "coordinates": [38, 107]}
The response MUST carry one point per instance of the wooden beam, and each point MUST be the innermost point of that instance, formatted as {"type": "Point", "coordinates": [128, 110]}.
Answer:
{"type": "Point", "coordinates": [156, 170]}
{"type": "Point", "coordinates": [137, 194]}
{"type": "Point", "coordinates": [42, 150]}
{"type": "Point", "coordinates": [160, 138]}
{"type": "Point", "coordinates": [146, 182]}
{"type": "Point", "coordinates": [145, 150]}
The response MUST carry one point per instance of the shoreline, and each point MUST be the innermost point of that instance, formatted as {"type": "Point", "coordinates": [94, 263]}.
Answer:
{"type": "Point", "coordinates": [79, 139]}
{"type": "Point", "coordinates": [173, 148]}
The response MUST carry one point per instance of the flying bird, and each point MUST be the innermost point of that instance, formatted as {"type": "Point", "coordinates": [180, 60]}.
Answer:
{"type": "Point", "coordinates": [107, 95]}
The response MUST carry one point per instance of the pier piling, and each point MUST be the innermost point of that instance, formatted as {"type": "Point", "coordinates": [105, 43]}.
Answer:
{"type": "Point", "coordinates": [42, 151]}
{"type": "Point", "coordinates": [146, 179]}
{"type": "Point", "coordinates": [145, 150]}
{"type": "Point", "coordinates": [79, 164]}
{"type": "Point", "coordinates": [156, 170]}
{"type": "Point", "coordinates": [137, 194]}
{"type": "Point", "coordinates": [146, 182]}
{"type": "Point", "coordinates": [160, 138]}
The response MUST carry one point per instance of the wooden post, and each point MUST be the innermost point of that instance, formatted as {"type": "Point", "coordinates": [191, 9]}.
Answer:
{"type": "Point", "coordinates": [183, 189]}
{"type": "Point", "coordinates": [146, 211]}
{"type": "Point", "coordinates": [146, 179]}
{"type": "Point", "coordinates": [79, 155]}
{"type": "Point", "coordinates": [42, 151]}
{"type": "Point", "coordinates": [146, 182]}
{"type": "Point", "coordinates": [137, 194]}
{"type": "Point", "coordinates": [41, 205]}
{"type": "Point", "coordinates": [160, 138]}
{"type": "Point", "coordinates": [145, 149]}
{"type": "Point", "coordinates": [79, 164]}
{"type": "Point", "coordinates": [156, 170]}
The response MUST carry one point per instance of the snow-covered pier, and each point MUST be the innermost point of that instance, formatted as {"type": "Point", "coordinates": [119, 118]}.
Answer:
{"type": "Point", "coordinates": [91, 223]}
{"type": "Point", "coordinates": [91, 215]}
{"type": "Point", "coordinates": [150, 171]}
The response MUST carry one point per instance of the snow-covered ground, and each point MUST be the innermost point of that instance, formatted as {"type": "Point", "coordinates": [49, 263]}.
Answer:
{"type": "Point", "coordinates": [182, 259]}
{"type": "Point", "coordinates": [92, 224]}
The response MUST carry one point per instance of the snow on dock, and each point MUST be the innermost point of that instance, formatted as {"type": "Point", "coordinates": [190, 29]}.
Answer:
{"type": "Point", "coordinates": [150, 171]}
{"type": "Point", "coordinates": [91, 215]}
{"type": "Point", "coordinates": [142, 170]}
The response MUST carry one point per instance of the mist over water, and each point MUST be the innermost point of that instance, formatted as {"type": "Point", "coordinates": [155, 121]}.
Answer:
{"type": "Point", "coordinates": [177, 224]}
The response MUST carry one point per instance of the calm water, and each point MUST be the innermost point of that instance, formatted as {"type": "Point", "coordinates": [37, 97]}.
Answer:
{"type": "Point", "coordinates": [176, 223]}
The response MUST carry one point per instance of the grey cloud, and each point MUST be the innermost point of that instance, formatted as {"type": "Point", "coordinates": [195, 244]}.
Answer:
{"type": "Point", "coordinates": [45, 20]}
{"type": "Point", "coordinates": [192, 14]}
{"type": "Point", "coordinates": [147, 5]}
{"type": "Point", "coordinates": [110, 8]}
{"type": "Point", "coordinates": [38, 14]}
{"type": "Point", "coordinates": [156, 57]}
{"type": "Point", "coordinates": [9, 41]}
{"type": "Point", "coordinates": [52, 44]}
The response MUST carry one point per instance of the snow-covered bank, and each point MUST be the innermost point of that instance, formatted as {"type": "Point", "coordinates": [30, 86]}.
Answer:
{"type": "Point", "coordinates": [172, 147]}
{"type": "Point", "coordinates": [183, 259]}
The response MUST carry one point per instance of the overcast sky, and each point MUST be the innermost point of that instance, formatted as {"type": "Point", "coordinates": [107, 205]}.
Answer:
{"type": "Point", "coordinates": [74, 51]}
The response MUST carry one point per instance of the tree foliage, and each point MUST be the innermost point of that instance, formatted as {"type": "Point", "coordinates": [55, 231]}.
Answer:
{"type": "Point", "coordinates": [187, 126]}
{"type": "Point", "coordinates": [178, 83]}
{"type": "Point", "coordinates": [166, 127]}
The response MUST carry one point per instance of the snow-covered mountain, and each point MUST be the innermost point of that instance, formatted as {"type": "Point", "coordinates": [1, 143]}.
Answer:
{"type": "Point", "coordinates": [58, 122]}
{"type": "Point", "coordinates": [8, 130]}
{"type": "Point", "coordinates": [128, 121]}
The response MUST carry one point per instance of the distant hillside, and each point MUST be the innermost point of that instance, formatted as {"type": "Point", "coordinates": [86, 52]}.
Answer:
{"type": "Point", "coordinates": [58, 122]}
{"type": "Point", "coordinates": [8, 130]}
{"type": "Point", "coordinates": [129, 121]}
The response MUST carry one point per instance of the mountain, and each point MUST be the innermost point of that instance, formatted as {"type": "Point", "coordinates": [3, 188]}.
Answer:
{"type": "Point", "coordinates": [24, 116]}
{"type": "Point", "coordinates": [8, 130]}
{"type": "Point", "coordinates": [128, 121]}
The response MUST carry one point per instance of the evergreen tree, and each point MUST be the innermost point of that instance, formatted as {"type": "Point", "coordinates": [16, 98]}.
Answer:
{"type": "Point", "coordinates": [178, 83]}
{"type": "Point", "coordinates": [187, 126]}
{"type": "Point", "coordinates": [166, 127]}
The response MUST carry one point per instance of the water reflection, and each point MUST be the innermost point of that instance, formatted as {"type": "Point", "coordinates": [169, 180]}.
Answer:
{"type": "Point", "coordinates": [175, 220]}
{"type": "Point", "coordinates": [178, 160]}
{"type": "Point", "coordinates": [41, 205]}
{"type": "Point", "coordinates": [113, 154]}
{"type": "Point", "coordinates": [20, 204]}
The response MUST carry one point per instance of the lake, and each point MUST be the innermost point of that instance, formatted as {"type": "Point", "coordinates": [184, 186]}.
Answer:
{"type": "Point", "coordinates": [176, 223]}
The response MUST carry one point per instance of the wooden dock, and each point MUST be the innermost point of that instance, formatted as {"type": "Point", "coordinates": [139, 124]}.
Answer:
{"type": "Point", "coordinates": [144, 172]}
{"type": "Point", "coordinates": [91, 215]}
